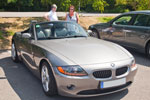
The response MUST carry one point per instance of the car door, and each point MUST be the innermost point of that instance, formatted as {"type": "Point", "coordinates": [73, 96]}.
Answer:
{"type": "Point", "coordinates": [138, 32]}
{"type": "Point", "coordinates": [27, 44]}
{"type": "Point", "coordinates": [118, 34]}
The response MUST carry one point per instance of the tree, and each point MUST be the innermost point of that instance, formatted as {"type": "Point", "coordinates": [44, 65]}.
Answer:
{"type": "Point", "coordinates": [64, 5]}
{"type": "Point", "coordinates": [46, 3]}
{"type": "Point", "coordinates": [21, 3]}
{"type": "Point", "coordinates": [99, 5]}
{"type": "Point", "coordinates": [149, 4]}
{"type": "Point", "coordinates": [135, 4]}
{"type": "Point", "coordinates": [2, 4]}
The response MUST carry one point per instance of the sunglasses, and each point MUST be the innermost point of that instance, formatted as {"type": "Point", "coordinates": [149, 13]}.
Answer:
{"type": "Point", "coordinates": [71, 9]}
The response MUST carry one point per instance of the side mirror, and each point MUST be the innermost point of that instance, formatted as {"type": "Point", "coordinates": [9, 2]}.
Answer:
{"type": "Point", "coordinates": [89, 32]}
{"type": "Point", "coordinates": [26, 35]}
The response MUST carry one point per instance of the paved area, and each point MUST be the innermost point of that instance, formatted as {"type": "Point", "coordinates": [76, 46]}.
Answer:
{"type": "Point", "coordinates": [18, 83]}
{"type": "Point", "coordinates": [41, 14]}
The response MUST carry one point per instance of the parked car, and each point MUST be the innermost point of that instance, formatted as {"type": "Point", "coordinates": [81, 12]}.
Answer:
{"type": "Point", "coordinates": [130, 29]}
{"type": "Point", "coordinates": [70, 63]}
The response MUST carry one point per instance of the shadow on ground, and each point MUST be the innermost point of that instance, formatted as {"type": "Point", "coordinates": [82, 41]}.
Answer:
{"type": "Point", "coordinates": [28, 87]}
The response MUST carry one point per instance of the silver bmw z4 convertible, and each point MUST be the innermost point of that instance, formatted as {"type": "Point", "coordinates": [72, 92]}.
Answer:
{"type": "Point", "coordinates": [70, 63]}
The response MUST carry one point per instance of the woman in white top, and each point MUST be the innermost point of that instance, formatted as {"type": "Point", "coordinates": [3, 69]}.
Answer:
{"type": "Point", "coordinates": [72, 15]}
{"type": "Point", "coordinates": [52, 16]}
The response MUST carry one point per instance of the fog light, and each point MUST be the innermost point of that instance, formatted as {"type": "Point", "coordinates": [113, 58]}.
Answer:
{"type": "Point", "coordinates": [71, 87]}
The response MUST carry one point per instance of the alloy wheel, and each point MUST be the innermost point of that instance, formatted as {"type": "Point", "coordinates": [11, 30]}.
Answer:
{"type": "Point", "coordinates": [45, 78]}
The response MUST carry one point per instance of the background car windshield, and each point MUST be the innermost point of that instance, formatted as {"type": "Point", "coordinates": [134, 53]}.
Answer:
{"type": "Point", "coordinates": [55, 30]}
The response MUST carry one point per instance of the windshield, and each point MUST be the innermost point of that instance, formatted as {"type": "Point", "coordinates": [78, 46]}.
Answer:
{"type": "Point", "coordinates": [57, 30]}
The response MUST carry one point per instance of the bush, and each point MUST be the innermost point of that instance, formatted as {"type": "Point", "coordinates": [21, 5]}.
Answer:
{"type": "Point", "coordinates": [1, 35]}
{"type": "Point", "coordinates": [117, 9]}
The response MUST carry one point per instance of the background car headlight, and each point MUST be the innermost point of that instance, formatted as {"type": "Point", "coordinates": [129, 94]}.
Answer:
{"type": "Point", "coordinates": [133, 65]}
{"type": "Point", "coordinates": [72, 70]}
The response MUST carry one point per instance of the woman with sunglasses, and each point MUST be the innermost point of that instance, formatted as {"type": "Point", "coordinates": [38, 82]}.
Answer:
{"type": "Point", "coordinates": [72, 15]}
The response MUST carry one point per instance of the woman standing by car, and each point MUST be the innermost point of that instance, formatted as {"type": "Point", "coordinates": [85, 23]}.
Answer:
{"type": "Point", "coordinates": [52, 16]}
{"type": "Point", "coordinates": [72, 15]}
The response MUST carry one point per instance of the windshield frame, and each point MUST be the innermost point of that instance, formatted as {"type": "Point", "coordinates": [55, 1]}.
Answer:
{"type": "Point", "coordinates": [84, 33]}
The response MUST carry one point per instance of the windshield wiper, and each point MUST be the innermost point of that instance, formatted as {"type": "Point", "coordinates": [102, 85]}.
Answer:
{"type": "Point", "coordinates": [55, 37]}
{"type": "Point", "coordinates": [75, 36]}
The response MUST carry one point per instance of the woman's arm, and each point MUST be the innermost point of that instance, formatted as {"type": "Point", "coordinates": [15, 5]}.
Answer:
{"type": "Point", "coordinates": [46, 16]}
{"type": "Point", "coordinates": [78, 19]}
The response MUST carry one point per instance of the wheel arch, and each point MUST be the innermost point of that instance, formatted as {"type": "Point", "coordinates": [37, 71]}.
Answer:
{"type": "Point", "coordinates": [146, 45]}
{"type": "Point", "coordinates": [12, 41]}
{"type": "Point", "coordinates": [96, 31]}
{"type": "Point", "coordinates": [40, 64]}
{"type": "Point", "coordinates": [47, 61]}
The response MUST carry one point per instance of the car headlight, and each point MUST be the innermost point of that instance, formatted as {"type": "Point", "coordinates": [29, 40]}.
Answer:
{"type": "Point", "coordinates": [133, 65]}
{"type": "Point", "coordinates": [74, 70]}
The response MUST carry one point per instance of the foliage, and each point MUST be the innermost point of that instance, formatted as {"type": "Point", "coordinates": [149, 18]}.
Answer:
{"type": "Point", "coordinates": [85, 5]}
{"type": "Point", "coordinates": [1, 35]}
{"type": "Point", "coordinates": [21, 3]}
{"type": "Point", "coordinates": [46, 3]}
{"type": "Point", "coordinates": [135, 4]}
{"type": "Point", "coordinates": [99, 5]}
{"type": "Point", "coordinates": [64, 4]}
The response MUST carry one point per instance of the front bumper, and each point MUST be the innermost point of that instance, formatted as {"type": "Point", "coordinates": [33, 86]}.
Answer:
{"type": "Point", "coordinates": [88, 86]}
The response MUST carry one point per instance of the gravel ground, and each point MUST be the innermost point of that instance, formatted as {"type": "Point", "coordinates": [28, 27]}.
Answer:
{"type": "Point", "coordinates": [18, 83]}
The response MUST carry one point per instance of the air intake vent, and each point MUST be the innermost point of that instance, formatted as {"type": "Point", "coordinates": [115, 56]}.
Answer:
{"type": "Point", "coordinates": [102, 74]}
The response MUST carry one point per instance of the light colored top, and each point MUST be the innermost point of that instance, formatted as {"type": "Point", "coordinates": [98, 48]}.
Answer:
{"type": "Point", "coordinates": [52, 16]}
{"type": "Point", "coordinates": [73, 18]}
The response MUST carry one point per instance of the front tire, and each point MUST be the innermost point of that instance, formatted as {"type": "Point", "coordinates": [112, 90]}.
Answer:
{"type": "Point", "coordinates": [148, 50]}
{"type": "Point", "coordinates": [14, 54]}
{"type": "Point", "coordinates": [48, 80]}
{"type": "Point", "coordinates": [95, 34]}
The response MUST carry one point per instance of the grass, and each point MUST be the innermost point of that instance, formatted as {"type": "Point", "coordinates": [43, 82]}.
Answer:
{"type": "Point", "coordinates": [105, 19]}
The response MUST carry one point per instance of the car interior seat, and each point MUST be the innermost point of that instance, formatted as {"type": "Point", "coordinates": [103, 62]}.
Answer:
{"type": "Point", "coordinates": [47, 32]}
{"type": "Point", "coordinates": [60, 32]}
{"type": "Point", "coordinates": [40, 34]}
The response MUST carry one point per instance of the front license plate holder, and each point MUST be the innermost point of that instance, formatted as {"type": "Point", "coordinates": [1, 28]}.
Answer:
{"type": "Point", "coordinates": [112, 83]}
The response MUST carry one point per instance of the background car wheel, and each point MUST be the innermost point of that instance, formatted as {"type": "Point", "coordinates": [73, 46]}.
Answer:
{"type": "Point", "coordinates": [48, 80]}
{"type": "Point", "coordinates": [14, 54]}
{"type": "Point", "coordinates": [148, 50]}
{"type": "Point", "coordinates": [95, 33]}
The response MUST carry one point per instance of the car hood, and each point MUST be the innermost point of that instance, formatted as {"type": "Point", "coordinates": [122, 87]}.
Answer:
{"type": "Point", "coordinates": [86, 50]}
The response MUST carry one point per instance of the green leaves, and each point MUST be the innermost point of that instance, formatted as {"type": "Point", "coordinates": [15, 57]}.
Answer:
{"type": "Point", "coordinates": [121, 2]}
{"type": "Point", "coordinates": [11, 1]}
{"type": "Point", "coordinates": [46, 2]}
{"type": "Point", "coordinates": [99, 5]}
{"type": "Point", "coordinates": [135, 4]}
{"type": "Point", "coordinates": [85, 5]}
{"type": "Point", "coordinates": [64, 5]}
